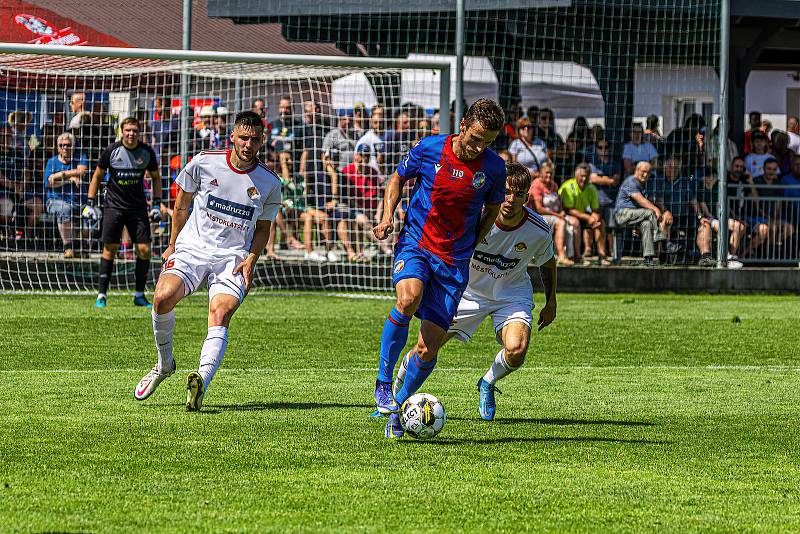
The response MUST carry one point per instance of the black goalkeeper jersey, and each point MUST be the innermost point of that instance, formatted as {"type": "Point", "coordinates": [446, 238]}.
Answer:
{"type": "Point", "coordinates": [126, 168]}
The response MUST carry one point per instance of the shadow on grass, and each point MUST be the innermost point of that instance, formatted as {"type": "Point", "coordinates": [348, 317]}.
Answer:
{"type": "Point", "coordinates": [260, 406]}
{"type": "Point", "coordinates": [510, 439]}
{"type": "Point", "coordinates": [556, 421]}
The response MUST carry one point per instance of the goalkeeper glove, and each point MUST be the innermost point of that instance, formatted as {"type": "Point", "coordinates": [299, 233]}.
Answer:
{"type": "Point", "coordinates": [90, 211]}
{"type": "Point", "coordinates": [155, 212]}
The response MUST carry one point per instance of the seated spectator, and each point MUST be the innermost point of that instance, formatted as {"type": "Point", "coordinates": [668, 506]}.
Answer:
{"type": "Point", "coordinates": [766, 127]}
{"type": "Point", "coordinates": [24, 134]}
{"type": "Point", "coordinates": [675, 193]}
{"type": "Point", "coordinates": [637, 150]}
{"type": "Point", "coordinates": [567, 158]}
{"type": "Point", "coordinates": [324, 194]}
{"type": "Point", "coordinates": [340, 139]}
{"type": "Point", "coordinates": [530, 152]}
{"type": "Point", "coordinates": [364, 184]}
{"type": "Point", "coordinates": [19, 188]}
{"type": "Point", "coordinates": [779, 149]}
{"type": "Point", "coordinates": [581, 133]}
{"type": "Point", "coordinates": [754, 161]}
{"type": "Point", "coordinates": [580, 200]}
{"type": "Point", "coordinates": [546, 130]}
{"type": "Point", "coordinates": [634, 209]}
{"type": "Point", "coordinates": [505, 155]}
{"type": "Point", "coordinates": [709, 223]}
{"type": "Point", "coordinates": [605, 176]}
{"type": "Point", "coordinates": [63, 177]}
{"type": "Point", "coordinates": [688, 144]}
{"type": "Point", "coordinates": [793, 129]}
{"type": "Point", "coordinates": [792, 192]}
{"type": "Point", "coordinates": [712, 150]}
{"type": "Point", "coordinates": [768, 211]}
{"type": "Point", "coordinates": [652, 134]}
{"type": "Point", "coordinates": [374, 139]}
{"type": "Point", "coordinates": [9, 163]}
{"type": "Point", "coordinates": [545, 201]}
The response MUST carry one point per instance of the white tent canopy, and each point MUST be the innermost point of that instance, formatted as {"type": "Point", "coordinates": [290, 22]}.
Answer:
{"type": "Point", "coordinates": [350, 89]}
{"type": "Point", "coordinates": [422, 86]}
{"type": "Point", "coordinates": [567, 88]}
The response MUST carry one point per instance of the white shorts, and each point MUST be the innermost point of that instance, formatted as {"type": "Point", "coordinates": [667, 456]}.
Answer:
{"type": "Point", "coordinates": [194, 270]}
{"type": "Point", "coordinates": [472, 311]}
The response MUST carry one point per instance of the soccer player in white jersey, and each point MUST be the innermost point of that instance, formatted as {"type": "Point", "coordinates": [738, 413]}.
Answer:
{"type": "Point", "coordinates": [234, 199]}
{"type": "Point", "coordinates": [499, 286]}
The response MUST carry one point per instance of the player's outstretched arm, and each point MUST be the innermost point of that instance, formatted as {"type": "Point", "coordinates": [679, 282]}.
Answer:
{"type": "Point", "coordinates": [390, 200]}
{"type": "Point", "coordinates": [490, 212]}
{"type": "Point", "coordinates": [179, 217]}
{"type": "Point", "coordinates": [548, 313]}
{"type": "Point", "coordinates": [248, 266]}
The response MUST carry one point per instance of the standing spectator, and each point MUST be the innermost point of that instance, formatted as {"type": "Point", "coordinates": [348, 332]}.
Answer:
{"type": "Point", "coordinates": [399, 139]}
{"type": "Point", "coordinates": [530, 152]}
{"type": "Point", "coordinates": [637, 150]}
{"type": "Point", "coordinates": [581, 133]}
{"type": "Point", "coordinates": [634, 209]}
{"type": "Point", "coordinates": [63, 177]}
{"type": "Point", "coordinates": [77, 106]}
{"type": "Point", "coordinates": [364, 199]}
{"type": "Point", "coordinates": [374, 139]}
{"type": "Point", "coordinates": [547, 130]}
{"type": "Point", "coordinates": [793, 129]}
{"type": "Point", "coordinates": [712, 150]}
{"type": "Point", "coordinates": [286, 132]}
{"type": "Point", "coordinates": [652, 134]}
{"type": "Point", "coordinates": [780, 150]}
{"type": "Point", "coordinates": [792, 191]}
{"type": "Point", "coordinates": [24, 134]}
{"type": "Point", "coordinates": [260, 108]}
{"type": "Point", "coordinates": [9, 170]}
{"type": "Point", "coordinates": [341, 140]}
{"type": "Point", "coordinates": [580, 201]}
{"type": "Point", "coordinates": [675, 193]}
{"type": "Point", "coordinates": [754, 161]}
{"type": "Point", "coordinates": [709, 223]}
{"type": "Point", "coordinates": [312, 138]}
{"type": "Point", "coordinates": [688, 145]}
{"type": "Point", "coordinates": [754, 119]}
{"type": "Point", "coordinates": [545, 201]}
{"type": "Point", "coordinates": [360, 119]}
{"type": "Point", "coordinates": [766, 127]}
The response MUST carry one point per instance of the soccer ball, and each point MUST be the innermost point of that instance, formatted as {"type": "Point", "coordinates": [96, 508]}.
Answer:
{"type": "Point", "coordinates": [422, 416]}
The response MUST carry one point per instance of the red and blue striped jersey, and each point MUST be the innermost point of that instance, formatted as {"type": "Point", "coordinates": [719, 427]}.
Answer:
{"type": "Point", "coordinates": [448, 196]}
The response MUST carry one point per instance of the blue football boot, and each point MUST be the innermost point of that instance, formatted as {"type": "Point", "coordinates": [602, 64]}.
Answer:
{"type": "Point", "coordinates": [378, 415]}
{"type": "Point", "coordinates": [100, 302]}
{"type": "Point", "coordinates": [486, 403]}
{"type": "Point", "coordinates": [393, 428]}
{"type": "Point", "coordinates": [384, 400]}
{"type": "Point", "coordinates": [141, 301]}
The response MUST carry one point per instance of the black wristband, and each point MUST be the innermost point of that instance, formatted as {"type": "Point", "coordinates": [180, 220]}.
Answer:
{"type": "Point", "coordinates": [90, 202]}
{"type": "Point", "coordinates": [157, 201]}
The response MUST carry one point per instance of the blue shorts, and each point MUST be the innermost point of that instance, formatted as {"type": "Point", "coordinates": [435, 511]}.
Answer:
{"type": "Point", "coordinates": [443, 284]}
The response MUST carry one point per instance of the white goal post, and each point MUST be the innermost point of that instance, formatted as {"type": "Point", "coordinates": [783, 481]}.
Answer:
{"type": "Point", "coordinates": [320, 112]}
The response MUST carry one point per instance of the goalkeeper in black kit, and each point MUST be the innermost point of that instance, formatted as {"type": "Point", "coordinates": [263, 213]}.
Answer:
{"type": "Point", "coordinates": [125, 206]}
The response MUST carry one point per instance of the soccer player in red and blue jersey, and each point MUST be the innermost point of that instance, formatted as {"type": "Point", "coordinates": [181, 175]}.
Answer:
{"type": "Point", "coordinates": [459, 186]}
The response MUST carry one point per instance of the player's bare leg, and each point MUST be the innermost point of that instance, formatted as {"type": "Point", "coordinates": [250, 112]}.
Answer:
{"type": "Point", "coordinates": [170, 289]}
{"type": "Point", "coordinates": [220, 311]}
{"type": "Point", "coordinates": [394, 338]}
{"type": "Point", "coordinates": [515, 337]}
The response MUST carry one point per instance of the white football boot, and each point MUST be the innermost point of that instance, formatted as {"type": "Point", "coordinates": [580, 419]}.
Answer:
{"type": "Point", "coordinates": [148, 384]}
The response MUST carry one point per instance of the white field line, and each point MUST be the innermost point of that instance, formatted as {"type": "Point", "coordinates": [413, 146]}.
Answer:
{"type": "Point", "coordinates": [764, 368]}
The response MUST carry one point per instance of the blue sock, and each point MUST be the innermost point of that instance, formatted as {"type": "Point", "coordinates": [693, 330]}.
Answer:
{"type": "Point", "coordinates": [393, 340]}
{"type": "Point", "coordinates": [418, 371]}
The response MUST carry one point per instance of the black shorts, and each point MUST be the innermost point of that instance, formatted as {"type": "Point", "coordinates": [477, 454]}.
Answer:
{"type": "Point", "coordinates": [137, 222]}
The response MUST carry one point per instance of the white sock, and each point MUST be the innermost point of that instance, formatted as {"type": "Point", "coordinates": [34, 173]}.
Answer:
{"type": "Point", "coordinates": [101, 295]}
{"type": "Point", "coordinates": [163, 327]}
{"type": "Point", "coordinates": [499, 368]}
{"type": "Point", "coordinates": [212, 353]}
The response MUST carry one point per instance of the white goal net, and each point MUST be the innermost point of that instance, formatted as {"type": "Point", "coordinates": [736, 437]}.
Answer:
{"type": "Point", "coordinates": [335, 129]}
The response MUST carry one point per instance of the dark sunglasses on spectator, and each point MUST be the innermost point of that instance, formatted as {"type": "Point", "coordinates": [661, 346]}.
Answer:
{"type": "Point", "coordinates": [524, 127]}
{"type": "Point", "coordinates": [603, 147]}
{"type": "Point", "coordinates": [63, 145]}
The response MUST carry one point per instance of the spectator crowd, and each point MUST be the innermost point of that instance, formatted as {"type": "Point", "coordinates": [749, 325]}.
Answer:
{"type": "Point", "coordinates": [655, 196]}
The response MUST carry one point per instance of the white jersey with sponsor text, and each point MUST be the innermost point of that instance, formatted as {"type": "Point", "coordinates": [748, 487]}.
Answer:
{"type": "Point", "coordinates": [227, 203]}
{"type": "Point", "coordinates": [498, 270]}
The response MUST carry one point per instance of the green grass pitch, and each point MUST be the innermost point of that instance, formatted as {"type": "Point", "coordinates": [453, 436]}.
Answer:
{"type": "Point", "coordinates": [634, 412]}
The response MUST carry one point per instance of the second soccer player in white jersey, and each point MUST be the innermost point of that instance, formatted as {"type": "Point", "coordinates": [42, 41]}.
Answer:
{"type": "Point", "coordinates": [234, 199]}
{"type": "Point", "coordinates": [500, 286]}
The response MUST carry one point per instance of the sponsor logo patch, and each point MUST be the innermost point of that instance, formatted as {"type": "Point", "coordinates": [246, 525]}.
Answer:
{"type": "Point", "coordinates": [478, 180]}
{"type": "Point", "coordinates": [399, 266]}
{"type": "Point", "coordinates": [214, 182]}
{"type": "Point", "coordinates": [234, 209]}
{"type": "Point", "coordinates": [496, 260]}
{"type": "Point", "coordinates": [520, 247]}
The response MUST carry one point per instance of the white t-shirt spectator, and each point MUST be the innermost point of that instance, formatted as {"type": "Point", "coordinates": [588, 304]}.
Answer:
{"type": "Point", "coordinates": [640, 152]}
{"type": "Point", "coordinates": [754, 163]}
{"type": "Point", "coordinates": [532, 157]}
{"type": "Point", "coordinates": [377, 146]}
{"type": "Point", "coordinates": [794, 142]}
